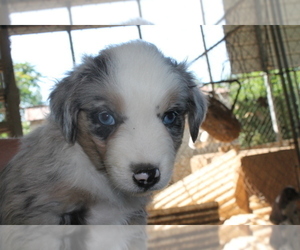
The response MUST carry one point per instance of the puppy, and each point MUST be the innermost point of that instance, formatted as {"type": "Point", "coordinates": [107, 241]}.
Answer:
{"type": "Point", "coordinates": [285, 209]}
{"type": "Point", "coordinates": [115, 126]}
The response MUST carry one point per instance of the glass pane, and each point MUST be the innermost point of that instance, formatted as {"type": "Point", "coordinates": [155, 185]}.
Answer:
{"type": "Point", "coordinates": [172, 11]}
{"type": "Point", "coordinates": [105, 13]}
{"type": "Point", "coordinates": [58, 16]}
{"type": "Point", "coordinates": [48, 52]}
{"type": "Point", "coordinates": [91, 41]}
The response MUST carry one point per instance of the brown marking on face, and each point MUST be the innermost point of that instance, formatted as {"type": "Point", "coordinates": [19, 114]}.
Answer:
{"type": "Point", "coordinates": [93, 147]}
{"type": "Point", "coordinates": [175, 101]}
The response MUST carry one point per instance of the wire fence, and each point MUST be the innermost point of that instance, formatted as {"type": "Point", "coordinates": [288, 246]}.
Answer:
{"type": "Point", "coordinates": [262, 93]}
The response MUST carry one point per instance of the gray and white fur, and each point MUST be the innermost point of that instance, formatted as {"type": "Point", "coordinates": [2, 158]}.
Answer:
{"type": "Point", "coordinates": [115, 126]}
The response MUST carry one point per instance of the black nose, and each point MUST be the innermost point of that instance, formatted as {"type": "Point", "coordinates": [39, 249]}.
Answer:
{"type": "Point", "coordinates": [145, 175]}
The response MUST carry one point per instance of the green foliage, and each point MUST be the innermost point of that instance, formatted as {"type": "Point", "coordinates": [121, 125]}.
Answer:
{"type": "Point", "coordinates": [26, 127]}
{"type": "Point", "coordinates": [4, 135]}
{"type": "Point", "coordinates": [252, 87]}
{"type": "Point", "coordinates": [252, 109]}
{"type": "Point", "coordinates": [27, 79]}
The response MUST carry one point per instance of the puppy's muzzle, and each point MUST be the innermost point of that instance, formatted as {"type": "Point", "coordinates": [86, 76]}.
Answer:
{"type": "Point", "coordinates": [145, 175]}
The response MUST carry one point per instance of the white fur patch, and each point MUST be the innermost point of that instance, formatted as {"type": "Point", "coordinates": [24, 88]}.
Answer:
{"type": "Point", "coordinates": [144, 81]}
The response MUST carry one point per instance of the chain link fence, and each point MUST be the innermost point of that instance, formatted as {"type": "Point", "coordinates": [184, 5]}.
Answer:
{"type": "Point", "coordinates": [261, 92]}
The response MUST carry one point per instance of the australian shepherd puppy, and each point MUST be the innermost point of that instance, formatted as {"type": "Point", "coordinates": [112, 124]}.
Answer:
{"type": "Point", "coordinates": [115, 126]}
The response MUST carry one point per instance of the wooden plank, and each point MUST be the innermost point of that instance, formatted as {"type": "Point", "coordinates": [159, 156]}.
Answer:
{"type": "Point", "coordinates": [192, 214]}
{"type": "Point", "coordinates": [185, 209]}
{"type": "Point", "coordinates": [263, 211]}
{"type": "Point", "coordinates": [199, 218]}
{"type": "Point", "coordinates": [194, 189]}
{"type": "Point", "coordinates": [211, 196]}
{"type": "Point", "coordinates": [229, 209]}
{"type": "Point", "coordinates": [203, 174]}
{"type": "Point", "coordinates": [215, 182]}
{"type": "Point", "coordinates": [225, 197]}
{"type": "Point", "coordinates": [180, 188]}
{"type": "Point", "coordinates": [192, 221]}
{"type": "Point", "coordinates": [37, 29]}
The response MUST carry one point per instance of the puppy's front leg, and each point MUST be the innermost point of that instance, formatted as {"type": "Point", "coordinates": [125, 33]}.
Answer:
{"type": "Point", "coordinates": [76, 217]}
{"type": "Point", "coordinates": [49, 206]}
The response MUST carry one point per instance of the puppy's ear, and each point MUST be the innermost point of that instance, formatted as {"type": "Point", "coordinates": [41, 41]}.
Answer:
{"type": "Point", "coordinates": [66, 99]}
{"type": "Point", "coordinates": [197, 108]}
{"type": "Point", "coordinates": [64, 109]}
{"type": "Point", "coordinates": [197, 102]}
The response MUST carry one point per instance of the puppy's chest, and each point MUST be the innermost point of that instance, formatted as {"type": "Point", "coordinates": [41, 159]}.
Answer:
{"type": "Point", "coordinates": [79, 207]}
{"type": "Point", "coordinates": [109, 214]}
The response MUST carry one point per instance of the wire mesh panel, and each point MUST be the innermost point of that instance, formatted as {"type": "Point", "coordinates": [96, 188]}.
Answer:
{"type": "Point", "coordinates": [251, 12]}
{"type": "Point", "coordinates": [263, 79]}
{"type": "Point", "coordinates": [261, 105]}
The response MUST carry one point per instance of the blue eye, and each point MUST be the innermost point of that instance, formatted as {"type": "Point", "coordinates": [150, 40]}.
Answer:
{"type": "Point", "coordinates": [106, 118]}
{"type": "Point", "coordinates": [169, 117]}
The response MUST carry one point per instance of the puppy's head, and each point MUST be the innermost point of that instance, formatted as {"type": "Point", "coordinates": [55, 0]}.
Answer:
{"type": "Point", "coordinates": [126, 107]}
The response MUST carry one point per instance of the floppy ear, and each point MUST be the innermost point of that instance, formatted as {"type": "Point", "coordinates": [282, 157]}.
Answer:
{"type": "Point", "coordinates": [64, 109]}
{"type": "Point", "coordinates": [197, 108]}
{"type": "Point", "coordinates": [197, 102]}
{"type": "Point", "coordinates": [65, 100]}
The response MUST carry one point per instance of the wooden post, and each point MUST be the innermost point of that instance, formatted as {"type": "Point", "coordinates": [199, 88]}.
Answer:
{"type": "Point", "coordinates": [11, 92]}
